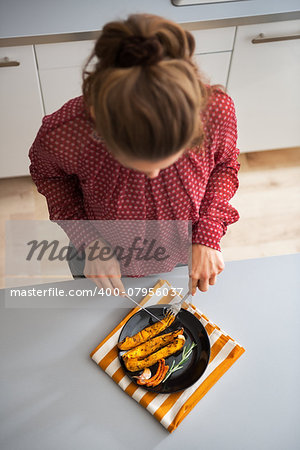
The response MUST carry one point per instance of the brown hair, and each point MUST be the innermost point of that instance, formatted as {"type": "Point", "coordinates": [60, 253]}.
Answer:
{"type": "Point", "coordinates": [145, 89]}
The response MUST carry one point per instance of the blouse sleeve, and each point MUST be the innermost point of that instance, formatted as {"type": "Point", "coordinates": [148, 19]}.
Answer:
{"type": "Point", "coordinates": [215, 212]}
{"type": "Point", "coordinates": [63, 194]}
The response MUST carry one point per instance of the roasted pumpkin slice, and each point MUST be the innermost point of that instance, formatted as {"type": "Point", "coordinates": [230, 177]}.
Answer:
{"type": "Point", "coordinates": [134, 364]}
{"type": "Point", "coordinates": [148, 347]}
{"type": "Point", "coordinates": [146, 333]}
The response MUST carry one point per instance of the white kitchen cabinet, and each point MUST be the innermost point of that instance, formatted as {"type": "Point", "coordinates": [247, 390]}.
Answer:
{"type": "Point", "coordinates": [60, 67]}
{"type": "Point", "coordinates": [60, 64]}
{"type": "Point", "coordinates": [264, 82]}
{"type": "Point", "coordinates": [213, 52]}
{"type": "Point", "coordinates": [21, 109]}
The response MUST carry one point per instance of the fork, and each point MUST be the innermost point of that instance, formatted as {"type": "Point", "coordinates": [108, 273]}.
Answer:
{"type": "Point", "coordinates": [176, 307]}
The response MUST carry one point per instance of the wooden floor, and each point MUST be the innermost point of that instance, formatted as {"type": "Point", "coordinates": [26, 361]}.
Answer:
{"type": "Point", "coordinates": [268, 201]}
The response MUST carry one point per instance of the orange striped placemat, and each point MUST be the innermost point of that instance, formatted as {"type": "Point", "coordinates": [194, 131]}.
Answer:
{"type": "Point", "coordinates": [169, 409]}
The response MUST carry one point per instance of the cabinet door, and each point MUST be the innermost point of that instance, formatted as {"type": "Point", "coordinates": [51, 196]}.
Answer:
{"type": "Point", "coordinates": [214, 40]}
{"type": "Point", "coordinates": [264, 83]}
{"type": "Point", "coordinates": [21, 109]}
{"type": "Point", "coordinates": [213, 52]}
{"type": "Point", "coordinates": [60, 68]}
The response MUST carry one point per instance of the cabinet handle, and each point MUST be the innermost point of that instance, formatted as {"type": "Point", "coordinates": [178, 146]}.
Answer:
{"type": "Point", "coordinates": [5, 62]}
{"type": "Point", "coordinates": [261, 39]}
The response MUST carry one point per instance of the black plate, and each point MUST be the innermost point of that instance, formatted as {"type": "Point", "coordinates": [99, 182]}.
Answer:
{"type": "Point", "coordinates": [194, 331]}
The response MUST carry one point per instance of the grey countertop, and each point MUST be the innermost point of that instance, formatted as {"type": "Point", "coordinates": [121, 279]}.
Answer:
{"type": "Point", "coordinates": [53, 396]}
{"type": "Point", "coordinates": [39, 21]}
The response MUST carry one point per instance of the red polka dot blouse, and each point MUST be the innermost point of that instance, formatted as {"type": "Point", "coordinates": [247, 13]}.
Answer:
{"type": "Point", "coordinates": [81, 180]}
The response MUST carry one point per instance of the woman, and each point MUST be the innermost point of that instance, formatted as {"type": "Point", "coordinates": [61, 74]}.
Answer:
{"type": "Point", "coordinates": [147, 140]}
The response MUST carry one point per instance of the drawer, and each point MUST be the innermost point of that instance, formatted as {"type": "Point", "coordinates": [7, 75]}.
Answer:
{"type": "Point", "coordinates": [70, 54]}
{"type": "Point", "coordinates": [214, 40]}
{"type": "Point", "coordinates": [64, 54]}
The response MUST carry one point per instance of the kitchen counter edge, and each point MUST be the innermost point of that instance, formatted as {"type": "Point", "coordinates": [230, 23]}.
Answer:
{"type": "Point", "coordinates": [196, 25]}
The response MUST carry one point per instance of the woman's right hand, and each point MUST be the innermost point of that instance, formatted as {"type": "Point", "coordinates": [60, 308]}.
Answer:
{"type": "Point", "coordinates": [105, 273]}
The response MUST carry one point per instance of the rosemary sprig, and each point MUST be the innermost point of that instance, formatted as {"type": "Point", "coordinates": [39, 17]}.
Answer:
{"type": "Point", "coordinates": [185, 355]}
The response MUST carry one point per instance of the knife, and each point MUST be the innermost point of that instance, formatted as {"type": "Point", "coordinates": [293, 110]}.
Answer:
{"type": "Point", "coordinates": [148, 312]}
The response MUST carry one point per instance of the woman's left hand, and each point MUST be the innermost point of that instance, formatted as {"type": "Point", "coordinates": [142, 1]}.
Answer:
{"type": "Point", "coordinates": [207, 263]}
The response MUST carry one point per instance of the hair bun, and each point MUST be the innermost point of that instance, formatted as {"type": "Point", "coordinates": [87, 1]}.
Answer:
{"type": "Point", "coordinates": [139, 51]}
